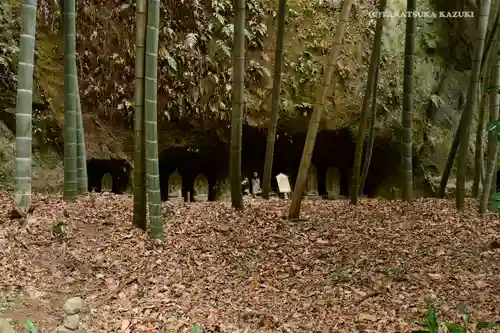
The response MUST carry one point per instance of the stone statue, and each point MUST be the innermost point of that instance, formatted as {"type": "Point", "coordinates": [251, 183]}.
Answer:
{"type": "Point", "coordinates": [256, 184]}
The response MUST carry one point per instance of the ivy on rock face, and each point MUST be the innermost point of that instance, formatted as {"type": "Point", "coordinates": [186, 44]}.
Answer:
{"type": "Point", "coordinates": [194, 57]}
{"type": "Point", "coordinates": [8, 49]}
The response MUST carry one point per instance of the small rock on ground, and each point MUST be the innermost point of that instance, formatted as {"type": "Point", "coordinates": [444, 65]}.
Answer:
{"type": "Point", "coordinates": [72, 321]}
{"type": "Point", "coordinates": [5, 326]}
{"type": "Point", "coordinates": [73, 305]}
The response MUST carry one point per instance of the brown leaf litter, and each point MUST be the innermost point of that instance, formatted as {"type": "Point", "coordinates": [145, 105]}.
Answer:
{"type": "Point", "coordinates": [369, 268]}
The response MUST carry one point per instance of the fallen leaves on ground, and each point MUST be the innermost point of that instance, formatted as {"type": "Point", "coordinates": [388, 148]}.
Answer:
{"type": "Point", "coordinates": [342, 268]}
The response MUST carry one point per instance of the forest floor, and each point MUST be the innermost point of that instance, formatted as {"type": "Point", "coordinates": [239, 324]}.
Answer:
{"type": "Point", "coordinates": [370, 268]}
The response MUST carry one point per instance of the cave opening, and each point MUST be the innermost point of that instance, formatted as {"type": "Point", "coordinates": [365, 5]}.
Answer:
{"type": "Point", "coordinates": [116, 169]}
{"type": "Point", "coordinates": [209, 161]}
{"type": "Point", "coordinates": [498, 181]}
{"type": "Point", "coordinates": [384, 167]}
{"type": "Point", "coordinates": [332, 149]}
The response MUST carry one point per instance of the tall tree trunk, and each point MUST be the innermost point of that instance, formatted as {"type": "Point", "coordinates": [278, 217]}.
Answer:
{"type": "Point", "coordinates": [372, 71]}
{"type": "Point", "coordinates": [470, 103]}
{"type": "Point", "coordinates": [407, 121]}
{"type": "Point", "coordinates": [456, 137]}
{"type": "Point", "coordinates": [491, 161]}
{"type": "Point", "coordinates": [273, 123]}
{"type": "Point", "coordinates": [322, 95]}
{"type": "Point", "coordinates": [453, 152]}
{"type": "Point", "coordinates": [70, 102]}
{"type": "Point", "coordinates": [493, 189]}
{"type": "Point", "coordinates": [479, 152]}
{"type": "Point", "coordinates": [371, 135]}
{"type": "Point", "coordinates": [486, 64]}
{"type": "Point", "coordinates": [81, 172]}
{"type": "Point", "coordinates": [151, 124]}
{"type": "Point", "coordinates": [238, 96]}
{"type": "Point", "coordinates": [140, 206]}
{"type": "Point", "coordinates": [22, 195]}
{"type": "Point", "coordinates": [81, 163]}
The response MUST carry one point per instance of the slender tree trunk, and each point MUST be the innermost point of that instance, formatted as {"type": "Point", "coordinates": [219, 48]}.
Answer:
{"type": "Point", "coordinates": [140, 197]}
{"type": "Point", "coordinates": [491, 161]}
{"type": "Point", "coordinates": [493, 189]}
{"type": "Point", "coordinates": [470, 103]}
{"type": "Point", "coordinates": [486, 64]}
{"type": "Point", "coordinates": [70, 102]}
{"type": "Point", "coordinates": [22, 195]}
{"type": "Point", "coordinates": [322, 95]}
{"type": "Point", "coordinates": [451, 155]}
{"type": "Point", "coordinates": [238, 96]}
{"type": "Point", "coordinates": [151, 124]}
{"type": "Point", "coordinates": [490, 40]}
{"type": "Point", "coordinates": [456, 138]}
{"type": "Point", "coordinates": [479, 152]}
{"type": "Point", "coordinates": [81, 168]}
{"type": "Point", "coordinates": [371, 135]}
{"type": "Point", "coordinates": [271, 132]}
{"type": "Point", "coordinates": [407, 120]}
{"type": "Point", "coordinates": [372, 71]}
{"type": "Point", "coordinates": [82, 180]}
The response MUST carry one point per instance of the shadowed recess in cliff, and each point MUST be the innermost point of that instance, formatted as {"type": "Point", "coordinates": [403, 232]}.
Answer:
{"type": "Point", "coordinates": [118, 170]}
{"type": "Point", "coordinates": [384, 168]}
{"type": "Point", "coordinates": [332, 149]}
{"type": "Point", "coordinates": [211, 161]}
{"type": "Point", "coordinates": [498, 181]}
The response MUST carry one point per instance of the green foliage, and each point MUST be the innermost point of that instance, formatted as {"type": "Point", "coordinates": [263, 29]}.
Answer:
{"type": "Point", "coordinates": [194, 57]}
{"type": "Point", "coordinates": [30, 327]}
{"type": "Point", "coordinates": [8, 48]}
{"type": "Point", "coordinates": [432, 324]}
{"type": "Point", "coordinates": [197, 329]}
{"type": "Point", "coordinates": [7, 154]}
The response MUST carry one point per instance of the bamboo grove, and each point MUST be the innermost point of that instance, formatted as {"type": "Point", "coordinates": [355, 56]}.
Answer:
{"type": "Point", "coordinates": [482, 95]}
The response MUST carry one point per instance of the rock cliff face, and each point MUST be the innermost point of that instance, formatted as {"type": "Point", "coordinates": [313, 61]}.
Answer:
{"type": "Point", "coordinates": [195, 76]}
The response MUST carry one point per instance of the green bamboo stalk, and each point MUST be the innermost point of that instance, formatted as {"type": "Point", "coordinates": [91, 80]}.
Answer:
{"type": "Point", "coordinates": [22, 175]}
{"type": "Point", "coordinates": [463, 149]}
{"type": "Point", "coordinates": [81, 163]}
{"type": "Point", "coordinates": [238, 98]}
{"type": "Point", "coordinates": [273, 123]}
{"type": "Point", "coordinates": [70, 102]}
{"type": "Point", "coordinates": [371, 135]}
{"type": "Point", "coordinates": [322, 94]}
{"type": "Point", "coordinates": [407, 121]}
{"type": "Point", "coordinates": [140, 197]}
{"type": "Point", "coordinates": [491, 161]}
{"type": "Point", "coordinates": [151, 125]}
{"type": "Point", "coordinates": [370, 84]}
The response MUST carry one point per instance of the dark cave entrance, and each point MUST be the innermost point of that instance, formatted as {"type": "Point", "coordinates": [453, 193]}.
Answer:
{"type": "Point", "coordinates": [333, 148]}
{"type": "Point", "coordinates": [211, 161]}
{"type": "Point", "coordinates": [119, 170]}
{"type": "Point", "coordinates": [384, 166]}
{"type": "Point", "coordinates": [498, 181]}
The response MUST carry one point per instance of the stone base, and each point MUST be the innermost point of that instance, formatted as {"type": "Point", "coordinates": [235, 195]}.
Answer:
{"type": "Point", "coordinates": [198, 198]}
{"type": "Point", "coordinates": [176, 199]}
{"type": "Point", "coordinates": [313, 197]}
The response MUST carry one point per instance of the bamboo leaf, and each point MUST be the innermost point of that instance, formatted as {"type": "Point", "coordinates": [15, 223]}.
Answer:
{"type": "Point", "coordinates": [492, 88]}
{"type": "Point", "coordinates": [493, 125]}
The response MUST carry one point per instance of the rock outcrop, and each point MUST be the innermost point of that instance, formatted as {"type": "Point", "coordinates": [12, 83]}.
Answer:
{"type": "Point", "coordinates": [195, 74]}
